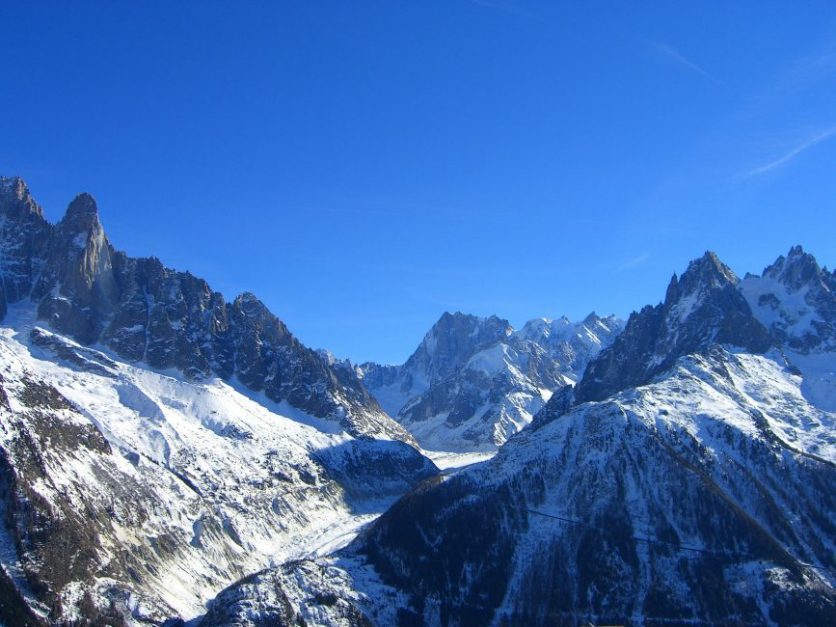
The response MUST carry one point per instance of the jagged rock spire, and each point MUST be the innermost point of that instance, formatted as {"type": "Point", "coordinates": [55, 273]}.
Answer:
{"type": "Point", "coordinates": [702, 274]}
{"type": "Point", "coordinates": [702, 307]}
{"type": "Point", "coordinates": [15, 199]}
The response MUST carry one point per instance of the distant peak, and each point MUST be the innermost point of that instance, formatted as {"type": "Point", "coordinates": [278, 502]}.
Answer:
{"type": "Point", "coordinates": [82, 205]}
{"type": "Point", "coordinates": [796, 269]}
{"type": "Point", "coordinates": [15, 196]}
{"type": "Point", "coordinates": [702, 275]}
{"type": "Point", "coordinates": [591, 318]}
{"type": "Point", "coordinates": [457, 320]}
{"type": "Point", "coordinates": [456, 315]}
{"type": "Point", "coordinates": [248, 298]}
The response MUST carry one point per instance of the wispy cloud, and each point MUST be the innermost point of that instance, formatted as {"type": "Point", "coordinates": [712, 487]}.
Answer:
{"type": "Point", "coordinates": [669, 52]}
{"type": "Point", "coordinates": [635, 261]}
{"type": "Point", "coordinates": [792, 154]}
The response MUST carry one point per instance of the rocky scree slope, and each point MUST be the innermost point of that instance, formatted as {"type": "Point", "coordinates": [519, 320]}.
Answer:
{"type": "Point", "coordinates": [473, 382]}
{"type": "Point", "coordinates": [697, 489]}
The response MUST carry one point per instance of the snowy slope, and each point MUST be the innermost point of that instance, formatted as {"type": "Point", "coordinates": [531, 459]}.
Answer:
{"type": "Point", "coordinates": [193, 485]}
{"type": "Point", "coordinates": [794, 299]}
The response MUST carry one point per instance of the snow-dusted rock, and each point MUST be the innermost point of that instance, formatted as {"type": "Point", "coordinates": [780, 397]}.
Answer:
{"type": "Point", "coordinates": [474, 382]}
{"type": "Point", "coordinates": [143, 494]}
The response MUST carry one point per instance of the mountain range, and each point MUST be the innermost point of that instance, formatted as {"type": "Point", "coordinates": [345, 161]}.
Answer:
{"type": "Point", "coordinates": [474, 382]}
{"type": "Point", "coordinates": [687, 478]}
{"type": "Point", "coordinates": [168, 456]}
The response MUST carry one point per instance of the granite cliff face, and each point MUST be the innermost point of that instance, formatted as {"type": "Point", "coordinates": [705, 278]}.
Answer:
{"type": "Point", "coordinates": [144, 312]}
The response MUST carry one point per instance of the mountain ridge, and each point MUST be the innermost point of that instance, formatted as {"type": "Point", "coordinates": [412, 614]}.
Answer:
{"type": "Point", "coordinates": [475, 381]}
{"type": "Point", "coordinates": [146, 312]}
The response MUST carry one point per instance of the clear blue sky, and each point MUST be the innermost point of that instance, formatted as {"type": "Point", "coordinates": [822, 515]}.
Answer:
{"type": "Point", "coordinates": [364, 166]}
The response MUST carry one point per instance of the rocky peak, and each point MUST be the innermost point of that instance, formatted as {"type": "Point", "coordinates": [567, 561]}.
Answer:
{"type": "Point", "coordinates": [77, 289]}
{"type": "Point", "coordinates": [15, 199]}
{"type": "Point", "coordinates": [796, 300]}
{"type": "Point", "coordinates": [702, 307]}
{"type": "Point", "coordinates": [608, 325]}
{"type": "Point", "coordinates": [702, 275]}
{"type": "Point", "coordinates": [80, 229]}
{"type": "Point", "coordinates": [562, 331]}
{"type": "Point", "coordinates": [250, 303]}
{"type": "Point", "coordinates": [795, 270]}
{"type": "Point", "coordinates": [82, 217]}
{"type": "Point", "coordinates": [253, 315]}
{"type": "Point", "coordinates": [474, 382]}
{"type": "Point", "coordinates": [592, 318]}
{"type": "Point", "coordinates": [541, 329]}
{"type": "Point", "coordinates": [467, 325]}
{"type": "Point", "coordinates": [84, 204]}
{"type": "Point", "coordinates": [452, 340]}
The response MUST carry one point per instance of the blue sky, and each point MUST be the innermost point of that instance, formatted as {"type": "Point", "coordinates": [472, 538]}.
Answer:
{"type": "Point", "coordinates": [364, 166]}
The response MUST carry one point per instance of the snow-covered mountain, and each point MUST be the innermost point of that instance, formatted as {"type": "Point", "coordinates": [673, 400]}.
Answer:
{"type": "Point", "coordinates": [166, 455]}
{"type": "Point", "coordinates": [157, 443]}
{"type": "Point", "coordinates": [689, 478]}
{"type": "Point", "coordinates": [145, 312]}
{"type": "Point", "coordinates": [474, 382]}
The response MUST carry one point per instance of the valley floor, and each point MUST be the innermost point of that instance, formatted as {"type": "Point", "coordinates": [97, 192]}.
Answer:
{"type": "Point", "coordinates": [451, 461]}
